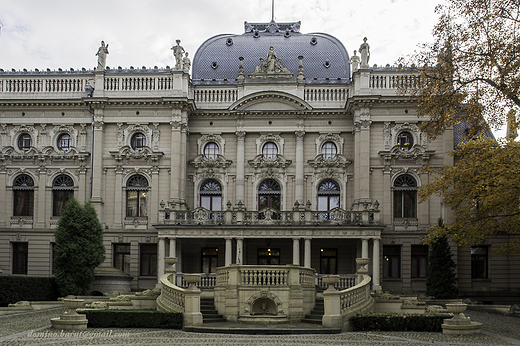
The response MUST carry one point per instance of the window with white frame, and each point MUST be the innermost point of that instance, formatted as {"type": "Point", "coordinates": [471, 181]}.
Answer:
{"type": "Point", "coordinates": [137, 196]}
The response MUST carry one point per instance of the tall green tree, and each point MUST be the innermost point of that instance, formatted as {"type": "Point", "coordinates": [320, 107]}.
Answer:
{"type": "Point", "coordinates": [440, 276]}
{"type": "Point", "coordinates": [78, 249]}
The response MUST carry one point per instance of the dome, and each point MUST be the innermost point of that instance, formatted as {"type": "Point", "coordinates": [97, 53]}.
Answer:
{"type": "Point", "coordinates": [325, 59]}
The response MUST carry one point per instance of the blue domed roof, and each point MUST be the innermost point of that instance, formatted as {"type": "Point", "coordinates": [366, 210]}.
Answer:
{"type": "Point", "coordinates": [325, 59]}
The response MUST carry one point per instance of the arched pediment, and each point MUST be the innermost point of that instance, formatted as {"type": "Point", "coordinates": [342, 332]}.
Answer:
{"type": "Point", "coordinates": [270, 101]}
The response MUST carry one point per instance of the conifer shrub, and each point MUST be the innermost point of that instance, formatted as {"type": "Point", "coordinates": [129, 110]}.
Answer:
{"type": "Point", "coordinates": [79, 248]}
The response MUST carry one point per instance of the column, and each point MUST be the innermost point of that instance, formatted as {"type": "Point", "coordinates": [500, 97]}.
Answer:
{"type": "Point", "coordinates": [307, 260]}
{"type": "Point", "coordinates": [240, 245]}
{"type": "Point", "coordinates": [376, 265]}
{"type": "Point", "coordinates": [178, 252]}
{"type": "Point", "coordinates": [182, 168]}
{"type": "Point", "coordinates": [118, 211]}
{"type": "Point", "coordinates": [240, 178]}
{"type": "Point", "coordinates": [299, 166]}
{"type": "Point", "coordinates": [229, 250]}
{"type": "Point", "coordinates": [42, 192]}
{"type": "Point", "coordinates": [97, 162]}
{"type": "Point", "coordinates": [173, 248]}
{"type": "Point", "coordinates": [160, 259]}
{"type": "Point", "coordinates": [174, 160]}
{"type": "Point", "coordinates": [153, 216]}
{"type": "Point", "coordinates": [364, 248]}
{"type": "Point", "coordinates": [82, 184]}
{"type": "Point", "coordinates": [296, 251]}
{"type": "Point", "coordinates": [362, 155]}
{"type": "Point", "coordinates": [4, 215]}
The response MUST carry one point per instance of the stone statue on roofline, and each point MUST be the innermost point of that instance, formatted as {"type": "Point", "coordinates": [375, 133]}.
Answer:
{"type": "Point", "coordinates": [102, 56]}
{"type": "Point", "coordinates": [364, 50]}
{"type": "Point", "coordinates": [186, 63]}
{"type": "Point", "coordinates": [354, 61]}
{"type": "Point", "coordinates": [178, 52]}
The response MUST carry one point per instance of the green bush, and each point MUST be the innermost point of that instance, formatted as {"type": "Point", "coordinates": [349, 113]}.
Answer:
{"type": "Point", "coordinates": [398, 322]}
{"type": "Point", "coordinates": [133, 319]}
{"type": "Point", "coordinates": [16, 288]}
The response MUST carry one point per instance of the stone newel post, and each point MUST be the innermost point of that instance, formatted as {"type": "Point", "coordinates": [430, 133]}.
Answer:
{"type": "Point", "coordinates": [332, 303]}
{"type": "Point", "coordinates": [192, 314]}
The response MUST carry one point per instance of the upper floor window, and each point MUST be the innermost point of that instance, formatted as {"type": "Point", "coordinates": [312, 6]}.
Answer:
{"type": "Point", "coordinates": [329, 150]}
{"type": "Point", "coordinates": [62, 191]}
{"type": "Point", "coordinates": [269, 150]}
{"type": "Point", "coordinates": [211, 195]}
{"type": "Point", "coordinates": [64, 142]}
{"type": "Point", "coordinates": [328, 195]}
{"type": "Point", "coordinates": [23, 196]}
{"type": "Point", "coordinates": [211, 150]}
{"type": "Point", "coordinates": [405, 196]}
{"type": "Point", "coordinates": [405, 140]}
{"type": "Point", "coordinates": [138, 141]}
{"type": "Point", "coordinates": [137, 196]}
{"type": "Point", "coordinates": [269, 195]}
{"type": "Point", "coordinates": [24, 141]}
{"type": "Point", "coordinates": [479, 262]}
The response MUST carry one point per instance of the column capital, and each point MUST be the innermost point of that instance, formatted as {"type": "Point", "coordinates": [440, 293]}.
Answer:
{"type": "Point", "coordinates": [240, 134]}
{"type": "Point", "coordinates": [299, 134]}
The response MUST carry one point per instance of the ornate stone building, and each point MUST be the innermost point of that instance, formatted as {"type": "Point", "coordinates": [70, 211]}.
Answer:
{"type": "Point", "coordinates": [279, 148]}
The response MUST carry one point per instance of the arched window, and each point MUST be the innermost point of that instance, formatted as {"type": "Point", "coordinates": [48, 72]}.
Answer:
{"type": "Point", "coordinates": [328, 195]}
{"type": "Point", "coordinates": [269, 194]}
{"type": "Point", "coordinates": [211, 150]}
{"type": "Point", "coordinates": [23, 196]}
{"type": "Point", "coordinates": [24, 141]}
{"type": "Point", "coordinates": [405, 196]}
{"type": "Point", "coordinates": [62, 191]}
{"type": "Point", "coordinates": [269, 150]}
{"type": "Point", "coordinates": [211, 195]}
{"type": "Point", "coordinates": [405, 140]}
{"type": "Point", "coordinates": [329, 150]}
{"type": "Point", "coordinates": [137, 196]}
{"type": "Point", "coordinates": [64, 142]}
{"type": "Point", "coordinates": [138, 141]}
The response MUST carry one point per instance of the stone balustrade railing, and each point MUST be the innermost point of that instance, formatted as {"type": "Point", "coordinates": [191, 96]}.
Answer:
{"type": "Point", "coordinates": [333, 93]}
{"type": "Point", "coordinates": [40, 85]}
{"type": "Point", "coordinates": [265, 275]}
{"type": "Point", "coordinates": [138, 83]}
{"type": "Point", "coordinates": [353, 298]}
{"type": "Point", "coordinates": [202, 216]}
{"type": "Point", "coordinates": [206, 281]}
{"type": "Point", "coordinates": [345, 281]}
{"type": "Point", "coordinates": [393, 81]}
{"type": "Point", "coordinates": [172, 298]}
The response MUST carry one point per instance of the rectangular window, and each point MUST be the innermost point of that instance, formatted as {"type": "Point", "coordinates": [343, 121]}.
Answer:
{"type": "Point", "coordinates": [268, 256]}
{"type": "Point", "coordinates": [419, 260]}
{"type": "Point", "coordinates": [479, 262]}
{"type": "Point", "coordinates": [209, 260]}
{"type": "Point", "coordinates": [391, 261]}
{"type": "Point", "coordinates": [60, 198]}
{"type": "Point", "coordinates": [122, 257]}
{"type": "Point", "coordinates": [23, 202]}
{"type": "Point", "coordinates": [405, 203]}
{"type": "Point", "coordinates": [148, 259]}
{"type": "Point", "coordinates": [20, 257]}
{"type": "Point", "coordinates": [328, 261]}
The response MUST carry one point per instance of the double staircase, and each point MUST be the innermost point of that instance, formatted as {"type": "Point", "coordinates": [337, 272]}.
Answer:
{"type": "Point", "coordinates": [208, 311]}
{"type": "Point", "coordinates": [316, 315]}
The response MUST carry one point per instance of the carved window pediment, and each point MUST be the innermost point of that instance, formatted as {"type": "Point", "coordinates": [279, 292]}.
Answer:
{"type": "Point", "coordinates": [21, 130]}
{"type": "Point", "coordinates": [338, 161]}
{"type": "Point", "coordinates": [278, 161]}
{"type": "Point", "coordinates": [126, 153]}
{"type": "Point", "coordinates": [201, 161]}
{"type": "Point", "coordinates": [417, 153]}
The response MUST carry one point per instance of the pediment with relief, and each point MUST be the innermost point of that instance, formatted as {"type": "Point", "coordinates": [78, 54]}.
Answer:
{"type": "Point", "coordinates": [126, 153]}
{"type": "Point", "coordinates": [279, 161]}
{"type": "Point", "coordinates": [270, 101]}
{"type": "Point", "coordinates": [201, 161]}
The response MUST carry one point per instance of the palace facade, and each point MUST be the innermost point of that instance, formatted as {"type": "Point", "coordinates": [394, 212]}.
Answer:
{"type": "Point", "coordinates": [279, 148]}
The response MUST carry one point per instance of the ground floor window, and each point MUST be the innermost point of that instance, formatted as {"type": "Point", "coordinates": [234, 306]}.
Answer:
{"type": "Point", "coordinates": [209, 260]}
{"type": "Point", "coordinates": [419, 260]}
{"type": "Point", "coordinates": [268, 256]}
{"type": "Point", "coordinates": [479, 262]}
{"type": "Point", "coordinates": [328, 261]}
{"type": "Point", "coordinates": [122, 257]}
{"type": "Point", "coordinates": [148, 259]}
{"type": "Point", "coordinates": [391, 261]}
{"type": "Point", "coordinates": [20, 257]}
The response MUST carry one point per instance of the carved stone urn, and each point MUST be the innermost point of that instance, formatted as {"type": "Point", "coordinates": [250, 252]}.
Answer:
{"type": "Point", "coordinates": [457, 309]}
{"type": "Point", "coordinates": [73, 304]}
{"type": "Point", "coordinates": [171, 269]}
{"type": "Point", "coordinates": [192, 279]}
{"type": "Point", "coordinates": [330, 280]}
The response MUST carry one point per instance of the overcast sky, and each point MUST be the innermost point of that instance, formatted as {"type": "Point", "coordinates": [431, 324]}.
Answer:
{"type": "Point", "coordinates": [67, 33]}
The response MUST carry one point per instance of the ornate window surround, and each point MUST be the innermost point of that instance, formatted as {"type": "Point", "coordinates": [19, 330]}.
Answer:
{"type": "Point", "coordinates": [205, 139]}
{"type": "Point", "coordinates": [223, 189]}
{"type": "Point", "coordinates": [20, 130]}
{"type": "Point", "coordinates": [330, 137]}
{"type": "Point", "coordinates": [56, 131]}
{"type": "Point", "coordinates": [276, 139]}
{"type": "Point", "coordinates": [131, 130]}
{"type": "Point", "coordinates": [280, 179]}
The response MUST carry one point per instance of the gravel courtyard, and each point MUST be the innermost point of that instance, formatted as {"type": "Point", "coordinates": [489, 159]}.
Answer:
{"type": "Point", "coordinates": [34, 329]}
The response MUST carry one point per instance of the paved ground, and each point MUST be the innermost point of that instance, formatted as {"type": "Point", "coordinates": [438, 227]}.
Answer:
{"type": "Point", "coordinates": [33, 329]}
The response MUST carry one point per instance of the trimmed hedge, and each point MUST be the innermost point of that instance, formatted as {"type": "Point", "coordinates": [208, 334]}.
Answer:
{"type": "Point", "coordinates": [133, 319]}
{"type": "Point", "coordinates": [398, 322]}
{"type": "Point", "coordinates": [16, 288]}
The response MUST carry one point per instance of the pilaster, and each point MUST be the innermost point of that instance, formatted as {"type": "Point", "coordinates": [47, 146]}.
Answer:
{"type": "Point", "coordinates": [240, 177]}
{"type": "Point", "coordinates": [299, 167]}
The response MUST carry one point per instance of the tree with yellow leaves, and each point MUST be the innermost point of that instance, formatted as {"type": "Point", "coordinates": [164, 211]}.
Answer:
{"type": "Point", "coordinates": [470, 75]}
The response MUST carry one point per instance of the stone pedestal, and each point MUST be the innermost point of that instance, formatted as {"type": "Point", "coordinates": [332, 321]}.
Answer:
{"type": "Point", "coordinates": [332, 304]}
{"type": "Point", "coordinates": [459, 324]}
{"type": "Point", "coordinates": [71, 320]}
{"type": "Point", "coordinates": [192, 314]}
